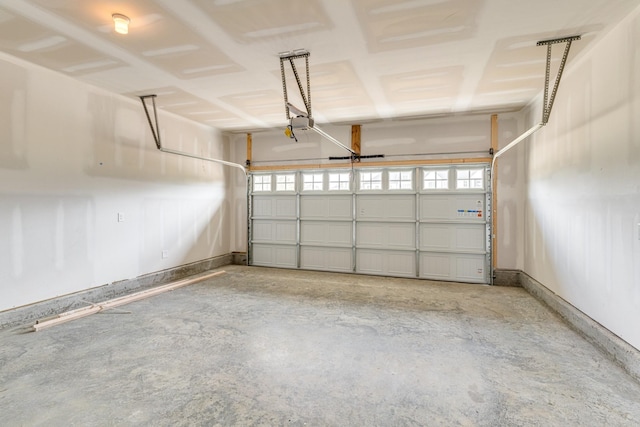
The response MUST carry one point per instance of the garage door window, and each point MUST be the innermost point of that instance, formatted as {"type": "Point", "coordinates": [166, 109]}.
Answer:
{"type": "Point", "coordinates": [371, 180]}
{"type": "Point", "coordinates": [436, 179]}
{"type": "Point", "coordinates": [261, 183]}
{"type": "Point", "coordinates": [339, 181]}
{"type": "Point", "coordinates": [470, 179]}
{"type": "Point", "coordinates": [286, 182]}
{"type": "Point", "coordinates": [312, 181]}
{"type": "Point", "coordinates": [400, 180]}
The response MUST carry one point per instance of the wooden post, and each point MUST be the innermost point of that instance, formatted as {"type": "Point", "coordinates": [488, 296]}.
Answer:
{"type": "Point", "coordinates": [355, 138]}
{"type": "Point", "coordinates": [249, 143]}
{"type": "Point", "coordinates": [494, 193]}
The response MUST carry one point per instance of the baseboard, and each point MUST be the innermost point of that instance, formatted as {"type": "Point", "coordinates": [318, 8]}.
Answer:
{"type": "Point", "coordinates": [505, 277]}
{"type": "Point", "coordinates": [30, 313]}
{"type": "Point", "coordinates": [624, 354]}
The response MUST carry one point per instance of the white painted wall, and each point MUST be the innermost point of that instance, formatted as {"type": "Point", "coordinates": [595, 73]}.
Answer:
{"type": "Point", "coordinates": [510, 195]}
{"type": "Point", "coordinates": [71, 158]}
{"type": "Point", "coordinates": [582, 236]}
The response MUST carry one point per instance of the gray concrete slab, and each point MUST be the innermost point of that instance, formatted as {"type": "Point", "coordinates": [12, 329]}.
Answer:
{"type": "Point", "coordinates": [279, 347]}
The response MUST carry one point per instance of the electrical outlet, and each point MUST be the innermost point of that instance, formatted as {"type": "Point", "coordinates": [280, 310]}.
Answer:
{"type": "Point", "coordinates": [120, 217]}
{"type": "Point", "coordinates": [165, 253]}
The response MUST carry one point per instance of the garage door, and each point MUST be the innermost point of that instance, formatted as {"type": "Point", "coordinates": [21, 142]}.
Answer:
{"type": "Point", "coordinates": [427, 222]}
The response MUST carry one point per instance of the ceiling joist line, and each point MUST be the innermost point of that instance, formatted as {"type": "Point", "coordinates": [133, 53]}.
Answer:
{"type": "Point", "coordinates": [155, 131]}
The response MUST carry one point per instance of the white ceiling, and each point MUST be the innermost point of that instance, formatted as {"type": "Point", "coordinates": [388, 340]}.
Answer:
{"type": "Point", "coordinates": [216, 61]}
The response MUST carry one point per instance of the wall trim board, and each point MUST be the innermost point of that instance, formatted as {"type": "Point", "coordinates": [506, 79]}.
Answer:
{"type": "Point", "coordinates": [21, 316]}
{"type": "Point", "coordinates": [614, 347]}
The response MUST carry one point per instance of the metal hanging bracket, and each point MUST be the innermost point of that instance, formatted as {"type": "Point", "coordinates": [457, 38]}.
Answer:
{"type": "Point", "coordinates": [548, 101]}
{"type": "Point", "coordinates": [291, 57]}
{"type": "Point", "coordinates": [155, 131]}
{"type": "Point", "coordinates": [302, 119]}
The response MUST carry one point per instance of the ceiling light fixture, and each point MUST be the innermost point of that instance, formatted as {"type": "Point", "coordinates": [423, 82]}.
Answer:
{"type": "Point", "coordinates": [121, 23]}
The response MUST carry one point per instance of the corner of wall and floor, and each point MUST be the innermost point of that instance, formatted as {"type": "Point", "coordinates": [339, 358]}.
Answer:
{"type": "Point", "coordinates": [614, 347]}
{"type": "Point", "coordinates": [23, 315]}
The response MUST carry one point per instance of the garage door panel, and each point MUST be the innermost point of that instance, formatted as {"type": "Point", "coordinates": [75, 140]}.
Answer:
{"type": "Point", "coordinates": [263, 230]}
{"type": "Point", "coordinates": [453, 237]}
{"type": "Point", "coordinates": [285, 232]}
{"type": "Point", "coordinates": [274, 231]}
{"type": "Point", "coordinates": [369, 262]}
{"type": "Point", "coordinates": [386, 235]}
{"type": "Point", "coordinates": [274, 256]}
{"type": "Point", "coordinates": [402, 263]}
{"type": "Point", "coordinates": [262, 206]}
{"type": "Point", "coordinates": [435, 208]}
{"type": "Point", "coordinates": [286, 207]}
{"type": "Point", "coordinates": [471, 238]}
{"type": "Point", "coordinates": [452, 207]}
{"type": "Point", "coordinates": [314, 207]}
{"type": "Point", "coordinates": [386, 263]}
{"type": "Point", "coordinates": [435, 266]}
{"type": "Point", "coordinates": [470, 207]}
{"type": "Point", "coordinates": [470, 268]}
{"type": "Point", "coordinates": [402, 236]}
{"type": "Point", "coordinates": [435, 236]}
{"type": "Point", "coordinates": [331, 259]}
{"type": "Point", "coordinates": [326, 233]}
{"type": "Point", "coordinates": [386, 207]}
{"type": "Point", "coordinates": [326, 207]}
{"type": "Point", "coordinates": [340, 259]}
{"type": "Point", "coordinates": [453, 267]}
{"type": "Point", "coordinates": [262, 255]}
{"type": "Point", "coordinates": [274, 206]}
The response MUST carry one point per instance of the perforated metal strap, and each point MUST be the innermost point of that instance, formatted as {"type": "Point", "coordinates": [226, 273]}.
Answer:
{"type": "Point", "coordinates": [306, 97]}
{"type": "Point", "coordinates": [548, 101]}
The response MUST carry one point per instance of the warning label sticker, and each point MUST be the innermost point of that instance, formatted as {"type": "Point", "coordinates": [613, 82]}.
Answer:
{"type": "Point", "coordinates": [469, 213]}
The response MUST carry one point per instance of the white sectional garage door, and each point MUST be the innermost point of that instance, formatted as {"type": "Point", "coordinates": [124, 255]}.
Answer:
{"type": "Point", "coordinates": [422, 222]}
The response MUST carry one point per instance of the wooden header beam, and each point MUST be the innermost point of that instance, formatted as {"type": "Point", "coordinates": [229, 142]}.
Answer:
{"type": "Point", "coordinates": [424, 162]}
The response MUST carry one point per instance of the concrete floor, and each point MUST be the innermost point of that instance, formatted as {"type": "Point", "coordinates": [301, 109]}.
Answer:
{"type": "Point", "coordinates": [278, 347]}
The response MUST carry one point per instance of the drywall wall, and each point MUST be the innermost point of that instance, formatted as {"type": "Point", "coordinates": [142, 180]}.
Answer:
{"type": "Point", "coordinates": [85, 197]}
{"type": "Point", "coordinates": [433, 138]}
{"type": "Point", "coordinates": [509, 206]}
{"type": "Point", "coordinates": [582, 237]}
